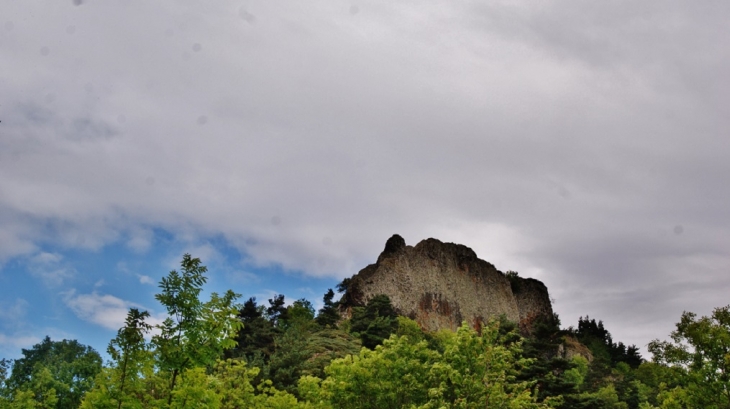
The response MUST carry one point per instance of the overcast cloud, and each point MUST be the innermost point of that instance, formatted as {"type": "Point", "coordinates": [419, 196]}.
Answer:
{"type": "Point", "coordinates": [582, 143]}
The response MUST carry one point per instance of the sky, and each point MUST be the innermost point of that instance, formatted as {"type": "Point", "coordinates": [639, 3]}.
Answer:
{"type": "Point", "coordinates": [585, 144]}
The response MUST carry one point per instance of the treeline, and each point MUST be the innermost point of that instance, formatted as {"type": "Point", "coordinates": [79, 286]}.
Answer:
{"type": "Point", "coordinates": [222, 354]}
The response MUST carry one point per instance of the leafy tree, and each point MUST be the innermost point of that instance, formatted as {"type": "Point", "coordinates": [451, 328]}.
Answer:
{"type": "Point", "coordinates": [700, 348]}
{"type": "Point", "coordinates": [129, 350]}
{"type": "Point", "coordinates": [326, 345]}
{"type": "Point", "coordinates": [67, 367]}
{"type": "Point", "coordinates": [554, 375]}
{"type": "Point", "coordinates": [478, 371]}
{"type": "Point", "coordinates": [284, 368]}
{"type": "Point", "coordinates": [277, 311]}
{"type": "Point", "coordinates": [474, 371]}
{"type": "Point", "coordinates": [235, 389]}
{"type": "Point", "coordinates": [5, 367]}
{"type": "Point", "coordinates": [375, 322]}
{"type": "Point", "coordinates": [394, 375]}
{"type": "Point", "coordinates": [301, 312]}
{"type": "Point", "coordinates": [328, 315]}
{"type": "Point", "coordinates": [303, 347]}
{"type": "Point", "coordinates": [594, 335]}
{"type": "Point", "coordinates": [39, 392]}
{"type": "Point", "coordinates": [195, 333]}
{"type": "Point", "coordinates": [121, 383]}
{"type": "Point", "coordinates": [255, 340]}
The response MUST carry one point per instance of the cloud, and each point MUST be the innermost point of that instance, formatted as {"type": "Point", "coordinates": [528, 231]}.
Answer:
{"type": "Point", "coordinates": [104, 310]}
{"type": "Point", "coordinates": [242, 277]}
{"type": "Point", "coordinates": [14, 313]}
{"type": "Point", "coordinates": [565, 140]}
{"type": "Point", "coordinates": [143, 279]}
{"type": "Point", "coordinates": [14, 342]}
{"type": "Point", "coordinates": [140, 240]}
{"type": "Point", "coordinates": [107, 310]}
{"type": "Point", "coordinates": [50, 268]}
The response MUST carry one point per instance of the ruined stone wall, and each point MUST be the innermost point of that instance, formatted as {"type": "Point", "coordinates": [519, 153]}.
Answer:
{"type": "Point", "coordinates": [440, 285]}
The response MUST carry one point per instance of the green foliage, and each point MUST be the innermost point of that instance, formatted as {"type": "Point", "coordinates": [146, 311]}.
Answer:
{"type": "Point", "coordinates": [599, 340]}
{"type": "Point", "coordinates": [195, 333]}
{"type": "Point", "coordinates": [40, 392]}
{"type": "Point", "coordinates": [306, 350]}
{"type": "Point", "coordinates": [515, 281]}
{"type": "Point", "coordinates": [394, 375]}
{"type": "Point", "coordinates": [344, 285]}
{"type": "Point", "coordinates": [52, 374]}
{"type": "Point", "coordinates": [478, 371]}
{"type": "Point", "coordinates": [576, 375]}
{"type": "Point", "coordinates": [288, 358]}
{"type": "Point", "coordinates": [277, 310]}
{"type": "Point", "coordinates": [328, 315]}
{"type": "Point", "coordinates": [375, 322]}
{"type": "Point", "coordinates": [351, 292]}
{"type": "Point", "coordinates": [301, 312]}
{"type": "Point", "coordinates": [604, 398]}
{"type": "Point", "coordinates": [474, 371]}
{"type": "Point", "coordinates": [234, 388]}
{"type": "Point", "coordinates": [6, 366]}
{"type": "Point", "coordinates": [255, 340]}
{"type": "Point", "coordinates": [326, 345]}
{"type": "Point", "coordinates": [409, 328]}
{"type": "Point", "coordinates": [700, 348]}
{"type": "Point", "coordinates": [130, 354]}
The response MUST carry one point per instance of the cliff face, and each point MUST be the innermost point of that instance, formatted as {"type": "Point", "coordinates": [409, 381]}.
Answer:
{"type": "Point", "coordinates": [440, 285]}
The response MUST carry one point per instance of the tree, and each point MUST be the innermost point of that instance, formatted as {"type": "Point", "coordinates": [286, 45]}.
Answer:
{"type": "Point", "coordinates": [701, 348]}
{"type": "Point", "coordinates": [277, 311]}
{"type": "Point", "coordinates": [301, 312]}
{"type": "Point", "coordinates": [195, 333]}
{"type": "Point", "coordinates": [39, 393]}
{"type": "Point", "coordinates": [328, 315]}
{"type": "Point", "coordinates": [66, 366]}
{"type": "Point", "coordinates": [5, 367]}
{"type": "Point", "coordinates": [375, 322]}
{"type": "Point", "coordinates": [480, 371]}
{"type": "Point", "coordinates": [120, 383]}
{"type": "Point", "coordinates": [394, 375]}
{"type": "Point", "coordinates": [473, 371]}
{"type": "Point", "coordinates": [255, 340]}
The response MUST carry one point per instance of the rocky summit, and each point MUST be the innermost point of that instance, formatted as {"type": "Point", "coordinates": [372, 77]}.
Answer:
{"type": "Point", "coordinates": [440, 285]}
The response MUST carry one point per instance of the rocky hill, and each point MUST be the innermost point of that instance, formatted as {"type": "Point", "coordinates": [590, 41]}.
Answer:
{"type": "Point", "coordinates": [440, 285]}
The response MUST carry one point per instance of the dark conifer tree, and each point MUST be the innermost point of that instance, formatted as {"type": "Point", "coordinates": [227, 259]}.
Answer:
{"type": "Point", "coordinates": [328, 315]}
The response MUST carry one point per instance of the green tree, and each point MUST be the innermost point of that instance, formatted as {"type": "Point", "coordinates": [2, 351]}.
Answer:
{"type": "Point", "coordinates": [300, 313]}
{"type": "Point", "coordinates": [394, 375]}
{"type": "Point", "coordinates": [328, 315]}
{"type": "Point", "coordinates": [121, 384]}
{"type": "Point", "coordinates": [375, 322]}
{"type": "Point", "coordinates": [66, 366]}
{"type": "Point", "coordinates": [235, 389]}
{"type": "Point", "coordinates": [700, 348]}
{"type": "Point", "coordinates": [5, 366]}
{"type": "Point", "coordinates": [255, 340]}
{"type": "Point", "coordinates": [480, 371]}
{"type": "Point", "coordinates": [473, 371]}
{"type": "Point", "coordinates": [277, 311]}
{"type": "Point", "coordinates": [129, 350]}
{"type": "Point", "coordinates": [39, 392]}
{"type": "Point", "coordinates": [195, 333]}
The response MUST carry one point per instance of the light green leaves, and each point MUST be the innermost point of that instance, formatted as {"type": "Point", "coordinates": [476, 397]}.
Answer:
{"type": "Point", "coordinates": [701, 348]}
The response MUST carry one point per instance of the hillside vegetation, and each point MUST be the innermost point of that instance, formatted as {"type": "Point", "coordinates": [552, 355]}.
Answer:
{"type": "Point", "coordinates": [222, 354]}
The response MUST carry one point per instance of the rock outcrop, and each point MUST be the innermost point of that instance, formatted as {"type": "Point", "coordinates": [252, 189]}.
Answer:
{"type": "Point", "coordinates": [440, 285]}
